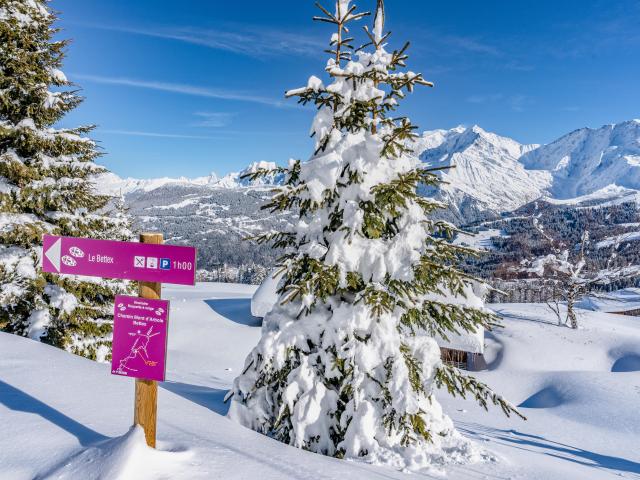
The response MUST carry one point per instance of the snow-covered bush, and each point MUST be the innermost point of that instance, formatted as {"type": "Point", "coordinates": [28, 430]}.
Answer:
{"type": "Point", "coordinates": [45, 187]}
{"type": "Point", "coordinates": [347, 363]}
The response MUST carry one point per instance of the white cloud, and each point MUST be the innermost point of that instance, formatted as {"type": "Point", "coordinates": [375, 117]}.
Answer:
{"type": "Point", "coordinates": [213, 119]}
{"type": "Point", "coordinates": [185, 89]}
{"type": "Point", "coordinates": [488, 98]}
{"type": "Point", "coordinates": [472, 45]}
{"type": "Point", "coordinates": [517, 103]}
{"type": "Point", "coordinates": [136, 133]}
{"type": "Point", "coordinates": [253, 41]}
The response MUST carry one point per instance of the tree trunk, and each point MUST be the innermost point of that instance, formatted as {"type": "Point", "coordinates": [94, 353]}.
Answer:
{"type": "Point", "coordinates": [571, 313]}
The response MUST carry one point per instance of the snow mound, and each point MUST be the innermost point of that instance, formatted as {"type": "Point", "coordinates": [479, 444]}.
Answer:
{"type": "Point", "coordinates": [548, 397]}
{"type": "Point", "coordinates": [121, 458]}
{"type": "Point", "coordinates": [265, 297]}
{"type": "Point", "coordinates": [472, 342]}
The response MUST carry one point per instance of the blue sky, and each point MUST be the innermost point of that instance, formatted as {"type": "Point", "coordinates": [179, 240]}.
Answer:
{"type": "Point", "coordinates": [191, 87]}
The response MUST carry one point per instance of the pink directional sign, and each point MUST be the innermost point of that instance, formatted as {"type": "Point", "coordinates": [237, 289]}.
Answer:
{"type": "Point", "coordinates": [127, 260]}
{"type": "Point", "coordinates": [140, 338]}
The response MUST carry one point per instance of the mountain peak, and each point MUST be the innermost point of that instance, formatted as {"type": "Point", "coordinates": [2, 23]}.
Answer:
{"type": "Point", "coordinates": [239, 179]}
{"type": "Point", "coordinates": [487, 177]}
{"type": "Point", "coordinates": [256, 166]}
{"type": "Point", "coordinates": [590, 159]}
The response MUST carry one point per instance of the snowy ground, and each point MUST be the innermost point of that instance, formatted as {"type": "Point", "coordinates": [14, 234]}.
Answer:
{"type": "Point", "coordinates": [483, 240]}
{"type": "Point", "coordinates": [620, 301]}
{"type": "Point", "coordinates": [64, 417]}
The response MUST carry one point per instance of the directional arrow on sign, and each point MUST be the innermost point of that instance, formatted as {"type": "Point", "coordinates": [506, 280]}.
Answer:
{"type": "Point", "coordinates": [53, 254]}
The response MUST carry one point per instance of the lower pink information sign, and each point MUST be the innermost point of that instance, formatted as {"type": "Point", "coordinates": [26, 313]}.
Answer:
{"type": "Point", "coordinates": [140, 338]}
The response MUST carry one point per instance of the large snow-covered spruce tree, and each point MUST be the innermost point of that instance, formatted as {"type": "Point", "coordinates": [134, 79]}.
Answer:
{"type": "Point", "coordinates": [347, 363]}
{"type": "Point", "coordinates": [45, 187]}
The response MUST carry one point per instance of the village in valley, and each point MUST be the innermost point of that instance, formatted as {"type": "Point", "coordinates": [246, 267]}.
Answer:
{"type": "Point", "coordinates": [386, 302]}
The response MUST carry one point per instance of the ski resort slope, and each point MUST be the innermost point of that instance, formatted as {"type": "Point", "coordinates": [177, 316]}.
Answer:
{"type": "Point", "coordinates": [64, 417]}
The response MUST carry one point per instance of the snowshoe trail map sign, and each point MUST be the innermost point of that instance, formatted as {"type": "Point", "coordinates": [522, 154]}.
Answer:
{"type": "Point", "coordinates": [124, 260]}
{"type": "Point", "coordinates": [140, 338]}
{"type": "Point", "coordinates": [139, 347]}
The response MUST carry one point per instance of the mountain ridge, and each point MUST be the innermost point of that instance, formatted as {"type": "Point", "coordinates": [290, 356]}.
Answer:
{"type": "Point", "coordinates": [488, 177]}
{"type": "Point", "coordinates": [493, 173]}
{"type": "Point", "coordinates": [111, 184]}
{"type": "Point", "coordinates": [590, 159]}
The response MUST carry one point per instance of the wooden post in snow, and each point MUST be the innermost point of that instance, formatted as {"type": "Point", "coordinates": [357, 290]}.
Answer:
{"type": "Point", "coordinates": [146, 396]}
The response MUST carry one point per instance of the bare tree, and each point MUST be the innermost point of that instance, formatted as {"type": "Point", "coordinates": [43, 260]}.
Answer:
{"type": "Point", "coordinates": [571, 279]}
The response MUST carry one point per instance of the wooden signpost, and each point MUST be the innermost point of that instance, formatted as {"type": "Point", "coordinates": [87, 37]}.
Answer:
{"type": "Point", "coordinates": [151, 263]}
{"type": "Point", "coordinates": [145, 410]}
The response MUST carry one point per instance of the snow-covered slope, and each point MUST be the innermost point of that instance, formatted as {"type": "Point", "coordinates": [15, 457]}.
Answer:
{"type": "Point", "coordinates": [495, 174]}
{"type": "Point", "coordinates": [618, 301]}
{"type": "Point", "coordinates": [488, 178]}
{"type": "Point", "coordinates": [66, 418]}
{"type": "Point", "coordinates": [609, 195]}
{"type": "Point", "coordinates": [588, 160]}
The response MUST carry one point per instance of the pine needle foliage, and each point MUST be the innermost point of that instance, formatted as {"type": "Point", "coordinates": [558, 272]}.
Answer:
{"type": "Point", "coordinates": [46, 188]}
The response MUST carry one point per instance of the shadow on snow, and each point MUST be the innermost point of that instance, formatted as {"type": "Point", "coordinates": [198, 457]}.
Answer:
{"type": "Point", "coordinates": [237, 310]}
{"type": "Point", "coordinates": [211, 398]}
{"type": "Point", "coordinates": [503, 313]}
{"type": "Point", "coordinates": [19, 401]}
{"type": "Point", "coordinates": [536, 443]}
{"type": "Point", "coordinates": [627, 363]}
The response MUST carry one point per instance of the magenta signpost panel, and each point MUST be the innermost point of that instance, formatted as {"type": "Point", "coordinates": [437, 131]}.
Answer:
{"type": "Point", "coordinates": [126, 260]}
{"type": "Point", "coordinates": [140, 338]}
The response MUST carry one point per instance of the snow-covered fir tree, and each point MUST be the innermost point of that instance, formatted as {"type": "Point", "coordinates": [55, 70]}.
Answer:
{"type": "Point", "coordinates": [45, 187]}
{"type": "Point", "coordinates": [347, 363]}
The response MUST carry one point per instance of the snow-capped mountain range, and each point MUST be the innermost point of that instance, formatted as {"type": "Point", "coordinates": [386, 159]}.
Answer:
{"type": "Point", "coordinates": [495, 174]}
{"type": "Point", "coordinates": [112, 184]}
{"type": "Point", "coordinates": [588, 160]}
{"type": "Point", "coordinates": [492, 174]}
